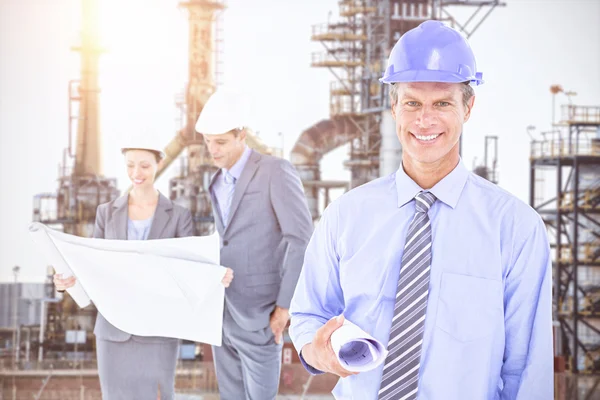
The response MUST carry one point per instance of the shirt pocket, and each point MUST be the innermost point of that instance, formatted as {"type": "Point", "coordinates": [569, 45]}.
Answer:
{"type": "Point", "coordinates": [469, 307]}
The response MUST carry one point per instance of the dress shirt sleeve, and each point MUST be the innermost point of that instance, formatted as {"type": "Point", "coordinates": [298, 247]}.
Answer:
{"type": "Point", "coordinates": [527, 371]}
{"type": "Point", "coordinates": [318, 296]}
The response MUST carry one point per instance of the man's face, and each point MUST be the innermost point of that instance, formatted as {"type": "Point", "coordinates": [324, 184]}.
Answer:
{"type": "Point", "coordinates": [226, 148]}
{"type": "Point", "coordinates": [429, 119]}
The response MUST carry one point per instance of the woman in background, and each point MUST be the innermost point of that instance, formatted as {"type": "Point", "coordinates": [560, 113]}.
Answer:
{"type": "Point", "coordinates": [129, 366]}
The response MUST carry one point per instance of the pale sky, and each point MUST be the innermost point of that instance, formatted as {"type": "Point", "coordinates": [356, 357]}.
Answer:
{"type": "Point", "coordinates": [521, 49]}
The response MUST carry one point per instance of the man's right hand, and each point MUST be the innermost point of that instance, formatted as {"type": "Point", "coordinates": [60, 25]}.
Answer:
{"type": "Point", "coordinates": [63, 284]}
{"type": "Point", "coordinates": [319, 354]}
{"type": "Point", "coordinates": [226, 281]}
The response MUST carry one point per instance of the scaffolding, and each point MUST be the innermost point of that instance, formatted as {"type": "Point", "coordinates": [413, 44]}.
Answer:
{"type": "Point", "coordinates": [569, 203]}
{"type": "Point", "coordinates": [81, 183]}
{"type": "Point", "coordinates": [489, 169]}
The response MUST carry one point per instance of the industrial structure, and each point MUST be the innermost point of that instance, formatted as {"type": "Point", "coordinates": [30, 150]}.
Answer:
{"type": "Point", "coordinates": [356, 51]}
{"type": "Point", "coordinates": [81, 184]}
{"type": "Point", "coordinates": [565, 191]}
{"type": "Point", "coordinates": [62, 336]}
{"type": "Point", "coordinates": [488, 169]}
{"type": "Point", "coordinates": [565, 166]}
{"type": "Point", "coordinates": [21, 317]}
{"type": "Point", "coordinates": [189, 187]}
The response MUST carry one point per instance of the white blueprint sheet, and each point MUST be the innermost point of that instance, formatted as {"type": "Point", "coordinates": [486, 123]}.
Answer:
{"type": "Point", "coordinates": [356, 350]}
{"type": "Point", "coordinates": [164, 287]}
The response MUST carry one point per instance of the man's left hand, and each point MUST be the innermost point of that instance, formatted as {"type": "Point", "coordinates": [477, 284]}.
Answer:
{"type": "Point", "coordinates": [279, 319]}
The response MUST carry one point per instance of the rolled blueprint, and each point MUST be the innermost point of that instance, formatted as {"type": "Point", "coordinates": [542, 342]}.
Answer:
{"type": "Point", "coordinates": [356, 350]}
{"type": "Point", "coordinates": [164, 287]}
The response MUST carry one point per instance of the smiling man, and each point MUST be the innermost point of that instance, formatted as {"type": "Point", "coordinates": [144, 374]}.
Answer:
{"type": "Point", "coordinates": [447, 269]}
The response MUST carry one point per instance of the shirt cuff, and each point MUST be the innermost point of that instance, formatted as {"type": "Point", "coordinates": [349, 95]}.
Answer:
{"type": "Point", "coordinates": [311, 370]}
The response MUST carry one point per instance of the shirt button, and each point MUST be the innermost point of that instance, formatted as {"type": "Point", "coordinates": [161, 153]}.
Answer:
{"type": "Point", "coordinates": [225, 242]}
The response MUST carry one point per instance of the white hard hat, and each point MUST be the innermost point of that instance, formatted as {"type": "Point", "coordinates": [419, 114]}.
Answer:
{"type": "Point", "coordinates": [143, 142]}
{"type": "Point", "coordinates": [224, 111]}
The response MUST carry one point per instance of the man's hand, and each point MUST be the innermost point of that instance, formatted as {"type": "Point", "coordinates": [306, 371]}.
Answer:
{"type": "Point", "coordinates": [279, 319]}
{"type": "Point", "coordinates": [319, 354]}
{"type": "Point", "coordinates": [226, 281]}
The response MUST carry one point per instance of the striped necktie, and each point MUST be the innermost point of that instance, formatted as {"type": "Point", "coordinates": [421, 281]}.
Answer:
{"type": "Point", "coordinates": [401, 369]}
{"type": "Point", "coordinates": [229, 181]}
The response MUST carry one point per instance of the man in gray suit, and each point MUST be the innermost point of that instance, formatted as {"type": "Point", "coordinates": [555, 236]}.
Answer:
{"type": "Point", "coordinates": [262, 217]}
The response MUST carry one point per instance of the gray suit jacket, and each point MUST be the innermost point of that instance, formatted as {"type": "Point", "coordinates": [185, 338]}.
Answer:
{"type": "Point", "coordinates": [264, 243]}
{"type": "Point", "coordinates": [170, 221]}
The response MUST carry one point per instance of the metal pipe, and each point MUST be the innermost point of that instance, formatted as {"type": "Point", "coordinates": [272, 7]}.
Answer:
{"type": "Point", "coordinates": [28, 344]}
{"type": "Point", "coordinates": [557, 293]}
{"type": "Point", "coordinates": [88, 160]}
{"type": "Point", "coordinates": [71, 117]}
{"type": "Point", "coordinates": [42, 328]}
{"type": "Point", "coordinates": [16, 269]}
{"type": "Point", "coordinates": [18, 346]}
{"type": "Point", "coordinates": [575, 263]}
{"type": "Point", "coordinates": [532, 185]}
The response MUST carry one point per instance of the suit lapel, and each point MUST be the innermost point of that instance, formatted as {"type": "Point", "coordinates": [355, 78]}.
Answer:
{"type": "Point", "coordinates": [161, 218]}
{"type": "Point", "coordinates": [119, 218]}
{"type": "Point", "coordinates": [241, 185]}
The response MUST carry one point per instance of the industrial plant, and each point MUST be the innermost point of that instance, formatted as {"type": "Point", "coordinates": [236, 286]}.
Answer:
{"type": "Point", "coordinates": [47, 348]}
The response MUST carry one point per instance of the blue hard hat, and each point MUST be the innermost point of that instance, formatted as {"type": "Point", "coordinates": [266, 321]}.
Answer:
{"type": "Point", "coordinates": [432, 52]}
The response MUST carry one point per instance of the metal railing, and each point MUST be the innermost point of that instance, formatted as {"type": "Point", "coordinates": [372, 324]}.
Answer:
{"type": "Point", "coordinates": [581, 114]}
{"type": "Point", "coordinates": [344, 87]}
{"type": "Point", "coordinates": [47, 365]}
{"type": "Point", "coordinates": [570, 387]}
{"type": "Point", "coordinates": [335, 60]}
{"type": "Point", "coordinates": [344, 105]}
{"type": "Point", "coordinates": [412, 11]}
{"type": "Point", "coordinates": [6, 364]}
{"type": "Point", "coordinates": [564, 148]}
{"type": "Point", "coordinates": [45, 207]}
{"type": "Point", "coordinates": [353, 7]}
{"type": "Point", "coordinates": [589, 200]}
{"type": "Point", "coordinates": [338, 31]}
{"type": "Point", "coordinates": [586, 253]}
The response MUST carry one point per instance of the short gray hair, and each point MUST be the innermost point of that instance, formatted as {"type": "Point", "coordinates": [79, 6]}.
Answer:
{"type": "Point", "coordinates": [467, 91]}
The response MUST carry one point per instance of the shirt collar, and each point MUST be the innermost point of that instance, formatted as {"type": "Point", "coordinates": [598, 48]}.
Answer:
{"type": "Point", "coordinates": [238, 167]}
{"type": "Point", "coordinates": [447, 190]}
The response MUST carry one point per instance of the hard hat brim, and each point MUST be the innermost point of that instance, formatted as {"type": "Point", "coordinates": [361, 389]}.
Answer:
{"type": "Point", "coordinates": [160, 153]}
{"type": "Point", "coordinates": [429, 76]}
{"type": "Point", "coordinates": [205, 126]}
{"type": "Point", "coordinates": [215, 132]}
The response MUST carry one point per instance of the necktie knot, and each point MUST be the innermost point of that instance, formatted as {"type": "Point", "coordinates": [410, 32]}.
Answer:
{"type": "Point", "coordinates": [423, 201]}
{"type": "Point", "coordinates": [229, 179]}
